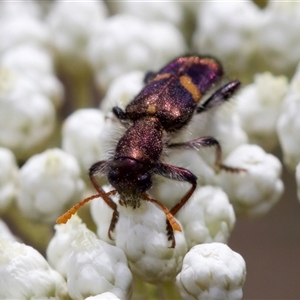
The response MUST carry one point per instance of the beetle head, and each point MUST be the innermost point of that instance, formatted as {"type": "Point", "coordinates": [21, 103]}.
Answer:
{"type": "Point", "coordinates": [129, 177]}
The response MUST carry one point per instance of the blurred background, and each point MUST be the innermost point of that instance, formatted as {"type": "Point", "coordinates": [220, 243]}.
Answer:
{"type": "Point", "coordinates": [270, 244]}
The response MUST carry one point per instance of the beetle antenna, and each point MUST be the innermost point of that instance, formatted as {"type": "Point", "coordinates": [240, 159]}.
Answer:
{"type": "Point", "coordinates": [63, 219]}
{"type": "Point", "coordinates": [67, 215]}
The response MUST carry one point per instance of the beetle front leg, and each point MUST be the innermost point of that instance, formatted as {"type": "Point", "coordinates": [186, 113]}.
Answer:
{"type": "Point", "coordinates": [97, 169]}
{"type": "Point", "coordinates": [179, 174]}
{"type": "Point", "coordinates": [171, 222]}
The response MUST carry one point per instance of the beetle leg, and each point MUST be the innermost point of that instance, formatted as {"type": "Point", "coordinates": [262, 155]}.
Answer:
{"type": "Point", "coordinates": [97, 169]}
{"type": "Point", "coordinates": [170, 234]}
{"type": "Point", "coordinates": [179, 174]}
{"type": "Point", "coordinates": [149, 76]}
{"type": "Point", "coordinates": [171, 222]}
{"type": "Point", "coordinates": [220, 96]}
{"type": "Point", "coordinates": [119, 113]}
{"type": "Point", "coordinates": [207, 141]}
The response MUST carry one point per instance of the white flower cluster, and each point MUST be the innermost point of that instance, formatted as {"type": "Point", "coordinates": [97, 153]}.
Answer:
{"type": "Point", "coordinates": [29, 90]}
{"type": "Point", "coordinates": [115, 50]}
{"type": "Point", "coordinates": [47, 145]}
{"type": "Point", "coordinates": [49, 183]}
{"type": "Point", "coordinates": [212, 271]}
{"type": "Point", "coordinates": [70, 34]}
{"type": "Point", "coordinates": [90, 265]}
{"type": "Point", "coordinates": [25, 274]}
{"type": "Point", "coordinates": [288, 125]}
{"type": "Point", "coordinates": [29, 95]}
{"type": "Point", "coordinates": [148, 10]}
{"type": "Point", "coordinates": [20, 23]}
{"type": "Point", "coordinates": [84, 134]}
{"type": "Point", "coordinates": [258, 111]}
{"type": "Point", "coordinates": [256, 191]}
{"type": "Point", "coordinates": [239, 41]}
{"type": "Point", "coordinates": [122, 90]}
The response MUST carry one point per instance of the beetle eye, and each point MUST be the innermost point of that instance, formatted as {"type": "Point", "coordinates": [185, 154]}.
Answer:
{"type": "Point", "coordinates": [113, 175]}
{"type": "Point", "coordinates": [143, 178]}
{"type": "Point", "coordinates": [144, 183]}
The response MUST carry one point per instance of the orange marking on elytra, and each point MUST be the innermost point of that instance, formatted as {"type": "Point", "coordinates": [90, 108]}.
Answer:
{"type": "Point", "coordinates": [161, 76]}
{"type": "Point", "coordinates": [151, 109]}
{"type": "Point", "coordinates": [188, 84]}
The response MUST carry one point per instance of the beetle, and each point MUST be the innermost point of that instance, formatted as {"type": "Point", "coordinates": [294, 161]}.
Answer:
{"type": "Point", "coordinates": [165, 105]}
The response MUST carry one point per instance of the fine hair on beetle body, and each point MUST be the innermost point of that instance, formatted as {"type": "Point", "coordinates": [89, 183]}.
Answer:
{"type": "Point", "coordinates": [167, 103]}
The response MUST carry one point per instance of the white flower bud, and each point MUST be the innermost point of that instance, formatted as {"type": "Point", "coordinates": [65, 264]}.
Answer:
{"type": "Point", "coordinates": [122, 90]}
{"type": "Point", "coordinates": [124, 43]}
{"type": "Point", "coordinates": [288, 125]}
{"type": "Point", "coordinates": [27, 116]}
{"type": "Point", "coordinates": [226, 128]}
{"type": "Point", "coordinates": [171, 12]}
{"type": "Point", "coordinates": [95, 267]}
{"type": "Point", "coordinates": [71, 26]}
{"type": "Point", "coordinates": [59, 248]}
{"type": "Point", "coordinates": [35, 63]}
{"type": "Point", "coordinates": [25, 274]}
{"type": "Point", "coordinates": [279, 20]}
{"type": "Point", "coordinates": [86, 134]}
{"type": "Point", "coordinates": [28, 57]}
{"type": "Point", "coordinates": [229, 39]}
{"type": "Point", "coordinates": [9, 9]}
{"type": "Point", "coordinates": [255, 191]}
{"type": "Point", "coordinates": [19, 28]}
{"type": "Point", "coordinates": [207, 217]}
{"type": "Point", "coordinates": [240, 43]}
{"type": "Point", "coordinates": [212, 271]}
{"type": "Point", "coordinates": [259, 109]}
{"type": "Point", "coordinates": [49, 184]}
{"type": "Point", "coordinates": [141, 233]}
{"type": "Point", "coordinates": [8, 177]}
